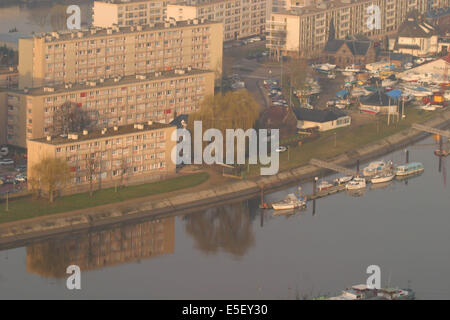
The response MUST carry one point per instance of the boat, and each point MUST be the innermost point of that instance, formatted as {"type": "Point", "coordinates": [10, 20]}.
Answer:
{"type": "Point", "coordinates": [291, 202]}
{"type": "Point", "coordinates": [356, 184]}
{"type": "Point", "coordinates": [324, 185]}
{"type": "Point", "coordinates": [363, 292]}
{"type": "Point", "coordinates": [382, 178]}
{"type": "Point", "coordinates": [343, 180]}
{"type": "Point", "coordinates": [409, 169]}
{"type": "Point", "coordinates": [428, 107]}
{"type": "Point", "coordinates": [325, 68]}
{"type": "Point", "coordinates": [331, 76]}
{"type": "Point", "coordinates": [374, 168]}
{"type": "Point", "coordinates": [441, 153]}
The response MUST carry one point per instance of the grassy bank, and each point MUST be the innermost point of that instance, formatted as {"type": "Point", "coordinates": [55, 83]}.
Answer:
{"type": "Point", "coordinates": [346, 139]}
{"type": "Point", "coordinates": [26, 208]}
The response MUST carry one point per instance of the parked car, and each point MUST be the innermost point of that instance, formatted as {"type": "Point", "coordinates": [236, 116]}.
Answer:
{"type": "Point", "coordinates": [6, 162]}
{"type": "Point", "coordinates": [21, 178]}
{"type": "Point", "coordinates": [281, 149]}
{"type": "Point", "coordinates": [21, 168]}
{"type": "Point", "coordinates": [4, 151]}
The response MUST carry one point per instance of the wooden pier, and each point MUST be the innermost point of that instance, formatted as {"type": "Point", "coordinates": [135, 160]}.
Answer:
{"type": "Point", "coordinates": [324, 193]}
{"type": "Point", "coordinates": [444, 133]}
{"type": "Point", "coordinates": [332, 166]}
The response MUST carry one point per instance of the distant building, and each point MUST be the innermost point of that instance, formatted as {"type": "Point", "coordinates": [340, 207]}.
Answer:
{"type": "Point", "coordinates": [304, 30]}
{"type": "Point", "coordinates": [348, 52]}
{"type": "Point", "coordinates": [240, 18]}
{"type": "Point", "coordinates": [9, 77]}
{"type": "Point", "coordinates": [80, 56]}
{"type": "Point", "coordinates": [131, 154]}
{"type": "Point", "coordinates": [416, 38]}
{"type": "Point", "coordinates": [30, 113]}
{"type": "Point", "coordinates": [107, 13]}
{"type": "Point", "coordinates": [323, 120]}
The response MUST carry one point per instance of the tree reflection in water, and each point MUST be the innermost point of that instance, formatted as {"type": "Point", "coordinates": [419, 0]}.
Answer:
{"type": "Point", "coordinates": [228, 228]}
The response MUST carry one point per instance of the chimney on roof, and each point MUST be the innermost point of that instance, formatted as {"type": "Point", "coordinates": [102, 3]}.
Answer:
{"type": "Point", "coordinates": [49, 138]}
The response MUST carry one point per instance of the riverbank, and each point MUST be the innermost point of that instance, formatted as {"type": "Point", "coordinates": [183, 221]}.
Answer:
{"type": "Point", "coordinates": [24, 230]}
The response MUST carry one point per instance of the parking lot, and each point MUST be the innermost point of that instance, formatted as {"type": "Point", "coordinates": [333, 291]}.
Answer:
{"type": "Point", "coordinates": [13, 172]}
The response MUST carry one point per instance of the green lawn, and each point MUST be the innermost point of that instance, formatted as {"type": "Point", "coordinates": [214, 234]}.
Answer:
{"type": "Point", "coordinates": [25, 208]}
{"type": "Point", "coordinates": [347, 139]}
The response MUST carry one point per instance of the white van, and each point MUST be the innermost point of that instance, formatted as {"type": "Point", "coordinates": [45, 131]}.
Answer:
{"type": "Point", "coordinates": [4, 151]}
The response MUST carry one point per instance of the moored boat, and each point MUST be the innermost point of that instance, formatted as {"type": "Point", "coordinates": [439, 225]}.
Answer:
{"type": "Point", "coordinates": [356, 184]}
{"type": "Point", "coordinates": [324, 185]}
{"type": "Point", "coordinates": [291, 202]}
{"type": "Point", "coordinates": [363, 292]}
{"type": "Point", "coordinates": [382, 178]}
{"type": "Point", "coordinates": [343, 180]}
{"type": "Point", "coordinates": [374, 168]}
{"type": "Point", "coordinates": [409, 169]}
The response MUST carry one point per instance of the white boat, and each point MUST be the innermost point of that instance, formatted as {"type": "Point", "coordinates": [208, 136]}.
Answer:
{"type": "Point", "coordinates": [428, 107]}
{"type": "Point", "coordinates": [382, 178]}
{"type": "Point", "coordinates": [324, 185]}
{"type": "Point", "coordinates": [331, 76]}
{"type": "Point", "coordinates": [291, 202]}
{"type": "Point", "coordinates": [374, 168]}
{"type": "Point", "coordinates": [325, 67]}
{"type": "Point", "coordinates": [343, 180]}
{"type": "Point", "coordinates": [356, 184]}
{"type": "Point", "coordinates": [409, 169]}
{"type": "Point", "coordinates": [352, 68]}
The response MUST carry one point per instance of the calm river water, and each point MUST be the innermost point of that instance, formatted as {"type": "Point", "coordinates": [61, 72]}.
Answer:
{"type": "Point", "coordinates": [230, 252]}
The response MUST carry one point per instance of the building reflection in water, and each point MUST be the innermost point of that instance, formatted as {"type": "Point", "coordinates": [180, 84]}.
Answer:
{"type": "Point", "coordinates": [227, 228]}
{"type": "Point", "coordinates": [97, 249]}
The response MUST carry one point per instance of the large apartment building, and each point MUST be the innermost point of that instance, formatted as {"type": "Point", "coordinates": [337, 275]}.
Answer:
{"type": "Point", "coordinates": [121, 155]}
{"type": "Point", "coordinates": [80, 56]}
{"type": "Point", "coordinates": [241, 18]}
{"type": "Point", "coordinates": [158, 96]}
{"type": "Point", "coordinates": [107, 13]}
{"type": "Point", "coordinates": [304, 30]}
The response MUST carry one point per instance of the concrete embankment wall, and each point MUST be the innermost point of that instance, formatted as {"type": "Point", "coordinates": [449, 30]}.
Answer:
{"type": "Point", "coordinates": [19, 232]}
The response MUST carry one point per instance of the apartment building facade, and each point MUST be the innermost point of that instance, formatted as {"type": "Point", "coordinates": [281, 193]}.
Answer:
{"type": "Point", "coordinates": [241, 18]}
{"type": "Point", "coordinates": [304, 31]}
{"type": "Point", "coordinates": [122, 155]}
{"type": "Point", "coordinates": [9, 77]}
{"type": "Point", "coordinates": [79, 56]}
{"type": "Point", "coordinates": [159, 96]}
{"type": "Point", "coordinates": [107, 13]}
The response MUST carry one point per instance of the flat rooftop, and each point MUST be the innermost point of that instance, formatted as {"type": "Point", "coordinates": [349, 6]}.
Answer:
{"type": "Point", "coordinates": [97, 134]}
{"type": "Point", "coordinates": [95, 32]}
{"type": "Point", "coordinates": [109, 82]}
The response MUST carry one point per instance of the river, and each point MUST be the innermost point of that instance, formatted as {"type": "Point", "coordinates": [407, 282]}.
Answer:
{"type": "Point", "coordinates": [232, 252]}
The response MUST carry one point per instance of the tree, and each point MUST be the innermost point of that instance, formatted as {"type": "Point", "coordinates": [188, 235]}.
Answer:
{"type": "Point", "coordinates": [69, 117]}
{"type": "Point", "coordinates": [234, 110]}
{"type": "Point", "coordinates": [50, 175]}
{"type": "Point", "coordinates": [91, 170]}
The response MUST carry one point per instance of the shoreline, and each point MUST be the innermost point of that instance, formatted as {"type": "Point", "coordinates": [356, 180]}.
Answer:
{"type": "Point", "coordinates": [19, 232]}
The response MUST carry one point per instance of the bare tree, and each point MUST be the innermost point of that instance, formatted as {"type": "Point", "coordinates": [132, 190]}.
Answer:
{"type": "Point", "coordinates": [123, 170]}
{"type": "Point", "coordinates": [91, 170]}
{"type": "Point", "coordinates": [69, 117]}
